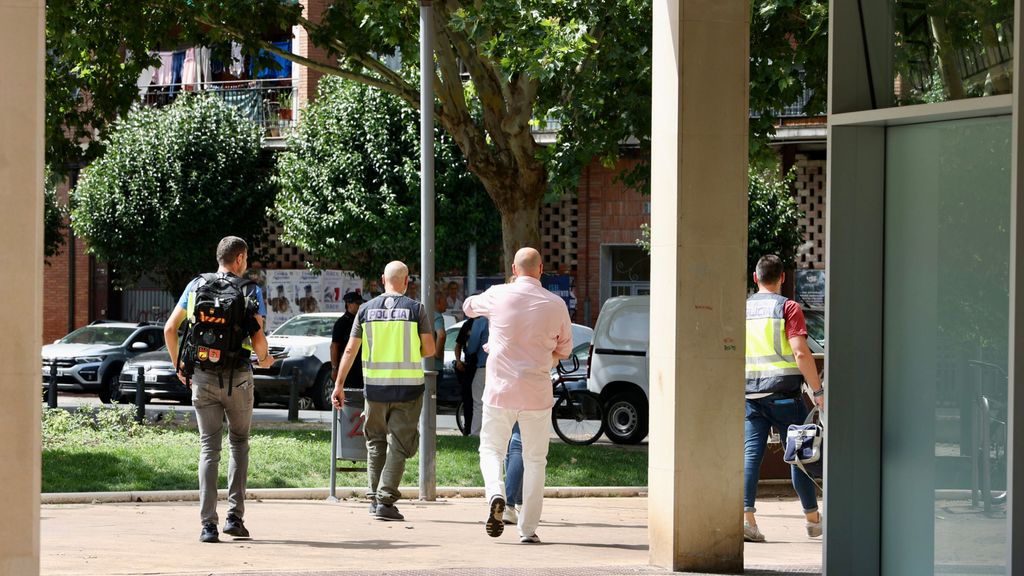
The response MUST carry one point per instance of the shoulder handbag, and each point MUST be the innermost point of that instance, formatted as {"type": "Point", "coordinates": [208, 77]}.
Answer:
{"type": "Point", "coordinates": [805, 447]}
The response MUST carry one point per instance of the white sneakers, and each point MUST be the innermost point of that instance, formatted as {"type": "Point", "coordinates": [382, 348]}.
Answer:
{"type": "Point", "coordinates": [751, 533]}
{"type": "Point", "coordinates": [511, 515]}
{"type": "Point", "coordinates": [814, 528]}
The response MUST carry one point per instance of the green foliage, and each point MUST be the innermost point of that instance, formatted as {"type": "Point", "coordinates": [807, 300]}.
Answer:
{"type": "Point", "coordinates": [172, 183]}
{"type": "Point", "coordinates": [501, 67]}
{"type": "Point", "coordinates": [773, 218]}
{"type": "Point", "coordinates": [89, 425]}
{"type": "Point", "coordinates": [166, 458]}
{"type": "Point", "coordinates": [788, 54]}
{"type": "Point", "coordinates": [937, 41]}
{"type": "Point", "coordinates": [54, 215]}
{"type": "Point", "coordinates": [600, 91]}
{"type": "Point", "coordinates": [350, 185]}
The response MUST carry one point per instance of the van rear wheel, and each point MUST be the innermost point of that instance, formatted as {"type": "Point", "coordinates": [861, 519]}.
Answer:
{"type": "Point", "coordinates": [626, 418]}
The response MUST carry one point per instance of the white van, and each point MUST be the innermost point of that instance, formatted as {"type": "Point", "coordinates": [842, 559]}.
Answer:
{"type": "Point", "coordinates": [618, 366]}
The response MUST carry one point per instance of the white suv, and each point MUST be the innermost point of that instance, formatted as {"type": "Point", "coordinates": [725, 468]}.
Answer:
{"type": "Point", "coordinates": [618, 369]}
{"type": "Point", "coordinates": [302, 350]}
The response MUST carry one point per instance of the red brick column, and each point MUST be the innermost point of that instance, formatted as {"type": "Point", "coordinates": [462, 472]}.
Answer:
{"type": "Point", "coordinates": [308, 79]}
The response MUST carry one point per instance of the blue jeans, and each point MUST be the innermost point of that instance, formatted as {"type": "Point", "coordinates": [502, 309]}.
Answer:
{"type": "Point", "coordinates": [514, 469]}
{"type": "Point", "coordinates": [762, 414]}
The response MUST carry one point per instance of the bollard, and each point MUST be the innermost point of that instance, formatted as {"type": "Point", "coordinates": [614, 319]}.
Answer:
{"type": "Point", "coordinates": [51, 389]}
{"type": "Point", "coordinates": [293, 399]}
{"type": "Point", "coordinates": [333, 497]}
{"type": "Point", "coordinates": [140, 395]}
{"type": "Point", "coordinates": [428, 438]}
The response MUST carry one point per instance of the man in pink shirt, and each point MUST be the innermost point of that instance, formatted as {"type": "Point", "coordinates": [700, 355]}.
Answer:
{"type": "Point", "coordinates": [529, 331]}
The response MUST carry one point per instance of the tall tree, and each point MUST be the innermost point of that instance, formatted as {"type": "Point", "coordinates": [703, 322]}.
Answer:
{"type": "Point", "coordinates": [788, 61]}
{"type": "Point", "coordinates": [172, 183]}
{"type": "Point", "coordinates": [501, 66]}
{"type": "Point", "coordinates": [350, 185]}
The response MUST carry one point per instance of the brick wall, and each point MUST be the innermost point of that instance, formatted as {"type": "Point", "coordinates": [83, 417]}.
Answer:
{"type": "Point", "coordinates": [609, 213]}
{"type": "Point", "coordinates": [56, 281]}
{"type": "Point", "coordinates": [810, 195]}
{"type": "Point", "coordinates": [306, 79]}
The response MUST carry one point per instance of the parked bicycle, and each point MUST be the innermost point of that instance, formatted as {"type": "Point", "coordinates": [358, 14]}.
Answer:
{"type": "Point", "coordinates": [577, 416]}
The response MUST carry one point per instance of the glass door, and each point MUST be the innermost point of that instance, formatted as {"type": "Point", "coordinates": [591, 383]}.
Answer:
{"type": "Point", "coordinates": [945, 339]}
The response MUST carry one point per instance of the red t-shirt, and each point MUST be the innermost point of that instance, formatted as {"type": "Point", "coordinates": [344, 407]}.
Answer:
{"type": "Point", "coordinates": [795, 323]}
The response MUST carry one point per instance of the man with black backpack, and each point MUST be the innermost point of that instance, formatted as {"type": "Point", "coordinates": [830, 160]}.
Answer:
{"type": "Point", "coordinates": [224, 314]}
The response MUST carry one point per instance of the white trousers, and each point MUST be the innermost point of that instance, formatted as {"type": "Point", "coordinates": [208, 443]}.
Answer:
{"type": "Point", "coordinates": [535, 428]}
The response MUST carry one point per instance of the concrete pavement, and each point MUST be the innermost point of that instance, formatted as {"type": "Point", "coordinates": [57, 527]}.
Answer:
{"type": "Point", "coordinates": [581, 536]}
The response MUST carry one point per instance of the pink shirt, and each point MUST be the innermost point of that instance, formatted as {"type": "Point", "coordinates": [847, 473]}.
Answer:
{"type": "Point", "coordinates": [528, 325]}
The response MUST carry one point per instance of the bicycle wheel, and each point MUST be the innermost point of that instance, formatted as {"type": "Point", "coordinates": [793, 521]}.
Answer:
{"type": "Point", "coordinates": [460, 419]}
{"type": "Point", "coordinates": [577, 417]}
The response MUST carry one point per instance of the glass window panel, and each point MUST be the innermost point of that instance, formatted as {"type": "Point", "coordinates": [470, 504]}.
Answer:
{"type": "Point", "coordinates": [951, 49]}
{"type": "Point", "coordinates": [945, 342]}
{"type": "Point", "coordinates": [630, 264]}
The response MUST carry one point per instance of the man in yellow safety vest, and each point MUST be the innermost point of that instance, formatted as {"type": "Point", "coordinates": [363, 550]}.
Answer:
{"type": "Point", "coordinates": [398, 336]}
{"type": "Point", "coordinates": [778, 362]}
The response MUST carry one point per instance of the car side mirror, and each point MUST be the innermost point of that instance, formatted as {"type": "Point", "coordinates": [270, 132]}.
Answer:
{"type": "Point", "coordinates": [57, 341]}
{"type": "Point", "coordinates": [140, 346]}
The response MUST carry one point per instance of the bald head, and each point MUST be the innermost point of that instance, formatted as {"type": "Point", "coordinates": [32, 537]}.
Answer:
{"type": "Point", "coordinates": [396, 277]}
{"type": "Point", "coordinates": [527, 263]}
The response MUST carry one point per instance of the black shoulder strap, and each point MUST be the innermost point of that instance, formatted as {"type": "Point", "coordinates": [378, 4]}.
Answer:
{"type": "Point", "coordinates": [237, 282]}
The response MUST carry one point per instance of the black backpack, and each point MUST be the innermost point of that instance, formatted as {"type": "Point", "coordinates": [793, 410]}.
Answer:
{"type": "Point", "coordinates": [222, 318]}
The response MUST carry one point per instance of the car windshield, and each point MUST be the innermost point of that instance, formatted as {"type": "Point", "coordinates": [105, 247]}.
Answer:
{"type": "Point", "coordinates": [450, 335]}
{"type": "Point", "coordinates": [815, 326]}
{"type": "Point", "coordinates": [106, 335]}
{"type": "Point", "coordinates": [307, 326]}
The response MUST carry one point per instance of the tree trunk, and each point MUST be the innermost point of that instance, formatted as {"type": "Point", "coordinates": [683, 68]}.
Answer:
{"type": "Point", "coordinates": [947, 59]}
{"type": "Point", "coordinates": [518, 200]}
{"type": "Point", "coordinates": [520, 227]}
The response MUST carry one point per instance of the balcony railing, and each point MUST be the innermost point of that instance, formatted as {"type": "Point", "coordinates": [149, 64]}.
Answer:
{"type": "Point", "coordinates": [794, 110]}
{"type": "Point", "coordinates": [269, 103]}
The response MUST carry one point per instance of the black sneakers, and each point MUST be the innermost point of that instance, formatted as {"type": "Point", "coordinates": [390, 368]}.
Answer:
{"type": "Point", "coordinates": [209, 533]}
{"type": "Point", "coordinates": [234, 527]}
{"type": "Point", "coordinates": [373, 507]}
{"type": "Point", "coordinates": [495, 525]}
{"type": "Point", "coordinates": [388, 512]}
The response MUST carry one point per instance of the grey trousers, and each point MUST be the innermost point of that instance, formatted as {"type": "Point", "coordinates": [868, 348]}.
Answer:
{"type": "Point", "coordinates": [212, 403]}
{"type": "Point", "coordinates": [392, 436]}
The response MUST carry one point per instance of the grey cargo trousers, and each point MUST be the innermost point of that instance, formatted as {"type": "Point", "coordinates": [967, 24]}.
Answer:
{"type": "Point", "coordinates": [212, 403]}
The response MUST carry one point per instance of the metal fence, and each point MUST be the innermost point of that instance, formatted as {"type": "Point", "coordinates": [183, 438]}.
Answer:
{"type": "Point", "coordinates": [146, 305]}
{"type": "Point", "coordinates": [269, 103]}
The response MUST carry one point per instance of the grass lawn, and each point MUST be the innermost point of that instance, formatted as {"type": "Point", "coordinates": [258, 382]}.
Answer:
{"type": "Point", "coordinates": [119, 456]}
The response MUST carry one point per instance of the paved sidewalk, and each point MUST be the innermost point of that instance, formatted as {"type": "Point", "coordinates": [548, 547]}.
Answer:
{"type": "Point", "coordinates": [582, 537]}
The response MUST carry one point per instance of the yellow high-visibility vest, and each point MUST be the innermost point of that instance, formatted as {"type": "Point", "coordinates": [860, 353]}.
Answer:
{"type": "Point", "coordinates": [392, 364]}
{"type": "Point", "coordinates": [770, 363]}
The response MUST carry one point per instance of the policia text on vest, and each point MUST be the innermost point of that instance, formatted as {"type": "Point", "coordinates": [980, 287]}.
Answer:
{"type": "Point", "coordinates": [392, 363]}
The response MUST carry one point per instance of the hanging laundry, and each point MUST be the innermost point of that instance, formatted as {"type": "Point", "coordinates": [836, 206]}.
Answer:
{"type": "Point", "coordinates": [237, 66]}
{"type": "Point", "coordinates": [188, 70]}
{"type": "Point", "coordinates": [164, 72]}
{"type": "Point", "coordinates": [176, 69]}
{"type": "Point", "coordinates": [203, 68]}
{"type": "Point", "coordinates": [284, 69]}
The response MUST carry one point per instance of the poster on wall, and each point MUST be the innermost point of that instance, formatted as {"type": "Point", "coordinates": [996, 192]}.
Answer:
{"type": "Point", "coordinates": [292, 292]}
{"type": "Point", "coordinates": [810, 288]}
{"type": "Point", "coordinates": [560, 284]}
{"type": "Point", "coordinates": [334, 284]}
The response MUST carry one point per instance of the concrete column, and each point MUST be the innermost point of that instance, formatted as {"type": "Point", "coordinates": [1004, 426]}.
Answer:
{"type": "Point", "coordinates": [698, 283]}
{"type": "Point", "coordinates": [21, 259]}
